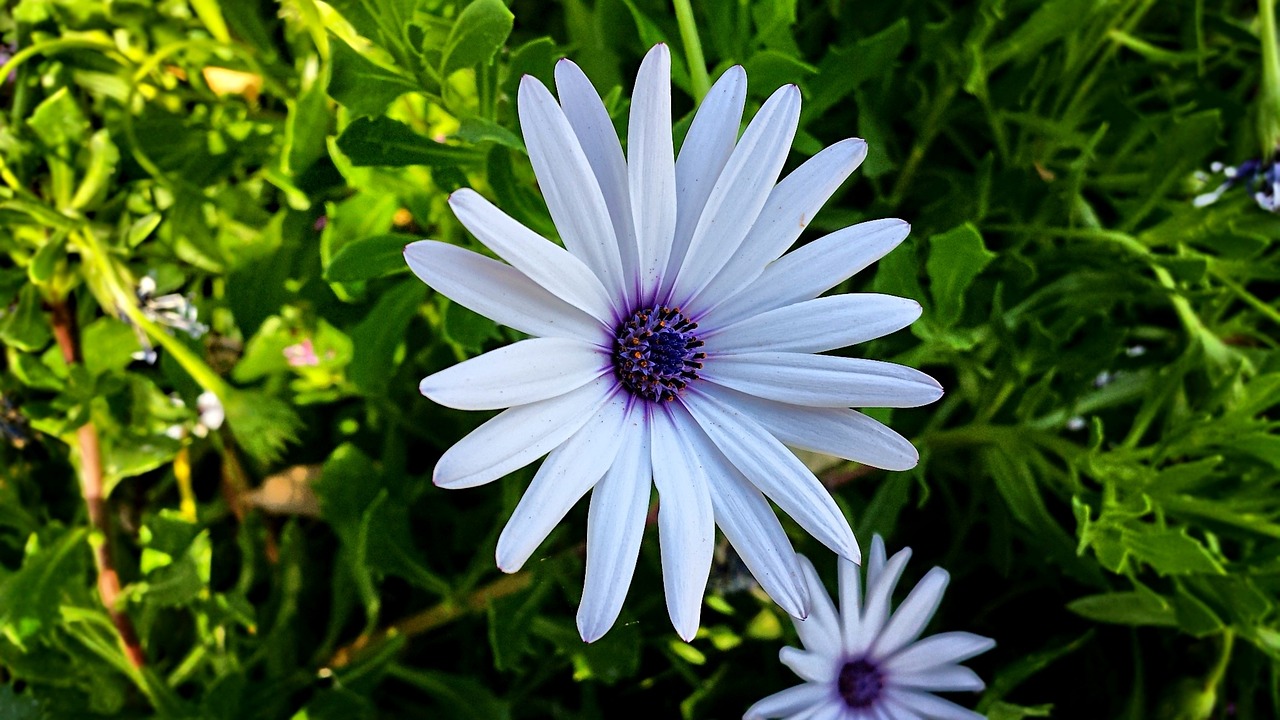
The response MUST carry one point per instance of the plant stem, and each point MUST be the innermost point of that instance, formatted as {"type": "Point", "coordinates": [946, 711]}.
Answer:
{"type": "Point", "coordinates": [91, 486]}
{"type": "Point", "coordinates": [692, 49]}
{"type": "Point", "coordinates": [431, 618]}
{"type": "Point", "coordinates": [1269, 101]}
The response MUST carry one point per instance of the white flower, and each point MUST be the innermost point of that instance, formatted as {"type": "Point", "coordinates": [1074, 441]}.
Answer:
{"type": "Point", "coordinates": [674, 343]}
{"type": "Point", "coordinates": [864, 662]}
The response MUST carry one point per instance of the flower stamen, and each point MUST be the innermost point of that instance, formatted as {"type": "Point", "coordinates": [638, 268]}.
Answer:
{"type": "Point", "coordinates": [860, 683]}
{"type": "Point", "coordinates": [656, 354]}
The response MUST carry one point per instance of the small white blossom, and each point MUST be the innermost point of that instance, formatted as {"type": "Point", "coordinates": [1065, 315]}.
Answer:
{"type": "Point", "coordinates": [865, 662]}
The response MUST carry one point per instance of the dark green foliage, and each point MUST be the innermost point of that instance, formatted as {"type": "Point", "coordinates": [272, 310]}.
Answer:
{"type": "Point", "coordinates": [1102, 479]}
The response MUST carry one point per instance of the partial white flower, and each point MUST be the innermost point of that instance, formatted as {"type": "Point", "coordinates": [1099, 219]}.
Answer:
{"type": "Point", "coordinates": [173, 310]}
{"type": "Point", "coordinates": [674, 344]}
{"type": "Point", "coordinates": [867, 663]}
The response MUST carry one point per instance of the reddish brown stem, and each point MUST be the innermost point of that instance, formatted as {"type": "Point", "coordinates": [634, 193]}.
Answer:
{"type": "Point", "coordinates": [91, 486]}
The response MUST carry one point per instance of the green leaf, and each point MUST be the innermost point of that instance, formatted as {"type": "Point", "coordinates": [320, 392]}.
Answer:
{"type": "Point", "coordinates": [771, 68]}
{"type": "Point", "coordinates": [262, 424]}
{"type": "Point", "coordinates": [1008, 711]}
{"type": "Point", "coordinates": [956, 257]}
{"type": "Point", "coordinates": [1125, 608]}
{"type": "Point", "coordinates": [58, 121]}
{"type": "Point", "coordinates": [468, 329]}
{"type": "Point", "coordinates": [386, 142]}
{"type": "Point", "coordinates": [509, 624]}
{"type": "Point", "coordinates": [379, 336]}
{"type": "Point", "coordinates": [309, 118]}
{"type": "Point", "coordinates": [478, 34]}
{"type": "Point", "coordinates": [46, 260]}
{"type": "Point", "coordinates": [24, 326]}
{"type": "Point", "coordinates": [459, 696]}
{"type": "Point", "coordinates": [100, 170]}
{"type": "Point", "coordinates": [359, 84]}
{"type": "Point", "coordinates": [844, 69]}
{"type": "Point", "coordinates": [478, 130]}
{"type": "Point", "coordinates": [108, 345]}
{"type": "Point", "coordinates": [30, 597]}
{"type": "Point", "coordinates": [1171, 552]}
{"type": "Point", "coordinates": [177, 558]}
{"type": "Point", "coordinates": [369, 258]}
{"type": "Point", "coordinates": [142, 227]}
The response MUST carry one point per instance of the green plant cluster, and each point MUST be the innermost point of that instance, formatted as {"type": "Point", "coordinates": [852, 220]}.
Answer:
{"type": "Point", "coordinates": [1102, 479]}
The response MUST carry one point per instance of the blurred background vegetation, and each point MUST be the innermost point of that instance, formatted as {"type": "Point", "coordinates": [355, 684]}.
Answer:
{"type": "Point", "coordinates": [223, 188]}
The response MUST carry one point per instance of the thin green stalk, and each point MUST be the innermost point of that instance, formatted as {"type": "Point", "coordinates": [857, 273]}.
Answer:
{"type": "Point", "coordinates": [692, 49]}
{"type": "Point", "coordinates": [1269, 100]}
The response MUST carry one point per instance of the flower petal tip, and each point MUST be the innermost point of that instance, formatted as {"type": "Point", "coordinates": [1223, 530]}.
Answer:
{"type": "Point", "coordinates": [506, 564]}
{"type": "Point", "coordinates": [590, 629]}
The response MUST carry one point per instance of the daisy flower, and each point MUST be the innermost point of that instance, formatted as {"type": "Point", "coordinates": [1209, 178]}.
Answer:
{"type": "Point", "coordinates": [674, 345]}
{"type": "Point", "coordinates": [866, 663]}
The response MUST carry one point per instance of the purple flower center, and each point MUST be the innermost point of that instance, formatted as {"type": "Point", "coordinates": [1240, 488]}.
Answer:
{"type": "Point", "coordinates": [860, 683]}
{"type": "Point", "coordinates": [655, 353]}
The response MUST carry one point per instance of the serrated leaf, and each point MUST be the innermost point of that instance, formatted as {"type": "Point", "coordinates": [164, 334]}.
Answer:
{"type": "Point", "coordinates": [30, 597]}
{"type": "Point", "coordinates": [956, 257]}
{"type": "Point", "coordinates": [1171, 552]}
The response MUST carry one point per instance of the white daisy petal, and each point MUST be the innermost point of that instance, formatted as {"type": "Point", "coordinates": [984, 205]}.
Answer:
{"type": "Point", "coordinates": [566, 475]}
{"type": "Point", "coordinates": [876, 560]}
{"type": "Point", "coordinates": [517, 437]}
{"type": "Point", "coordinates": [811, 270]}
{"type": "Point", "coordinates": [775, 470]}
{"type": "Point", "coordinates": [940, 649]}
{"type": "Point", "coordinates": [879, 595]}
{"type": "Point", "coordinates": [816, 325]}
{"type": "Point", "coordinates": [840, 432]}
{"type": "Point", "coordinates": [568, 184]}
{"type": "Point", "coordinates": [789, 701]}
{"type": "Point", "coordinates": [528, 371]}
{"type": "Point", "coordinates": [791, 206]}
{"type": "Point", "coordinates": [499, 292]}
{"type": "Point", "coordinates": [739, 193]}
{"type": "Point", "coordinates": [944, 678]}
{"type": "Point", "coordinates": [751, 526]}
{"type": "Point", "coordinates": [890, 709]}
{"type": "Point", "coordinates": [810, 666]}
{"type": "Point", "coordinates": [594, 128]}
{"type": "Point", "coordinates": [820, 632]}
{"type": "Point", "coordinates": [823, 380]}
{"type": "Point", "coordinates": [832, 709]}
{"type": "Point", "coordinates": [911, 617]}
{"type": "Point", "coordinates": [931, 706]}
{"type": "Point", "coordinates": [651, 168]}
{"type": "Point", "coordinates": [546, 263]}
{"type": "Point", "coordinates": [686, 520]}
{"type": "Point", "coordinates": [615, 526]}
{"type": "Point", "coordinates": [850, 582]}
{"type": "Point", "coordinates": [707, 147]}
